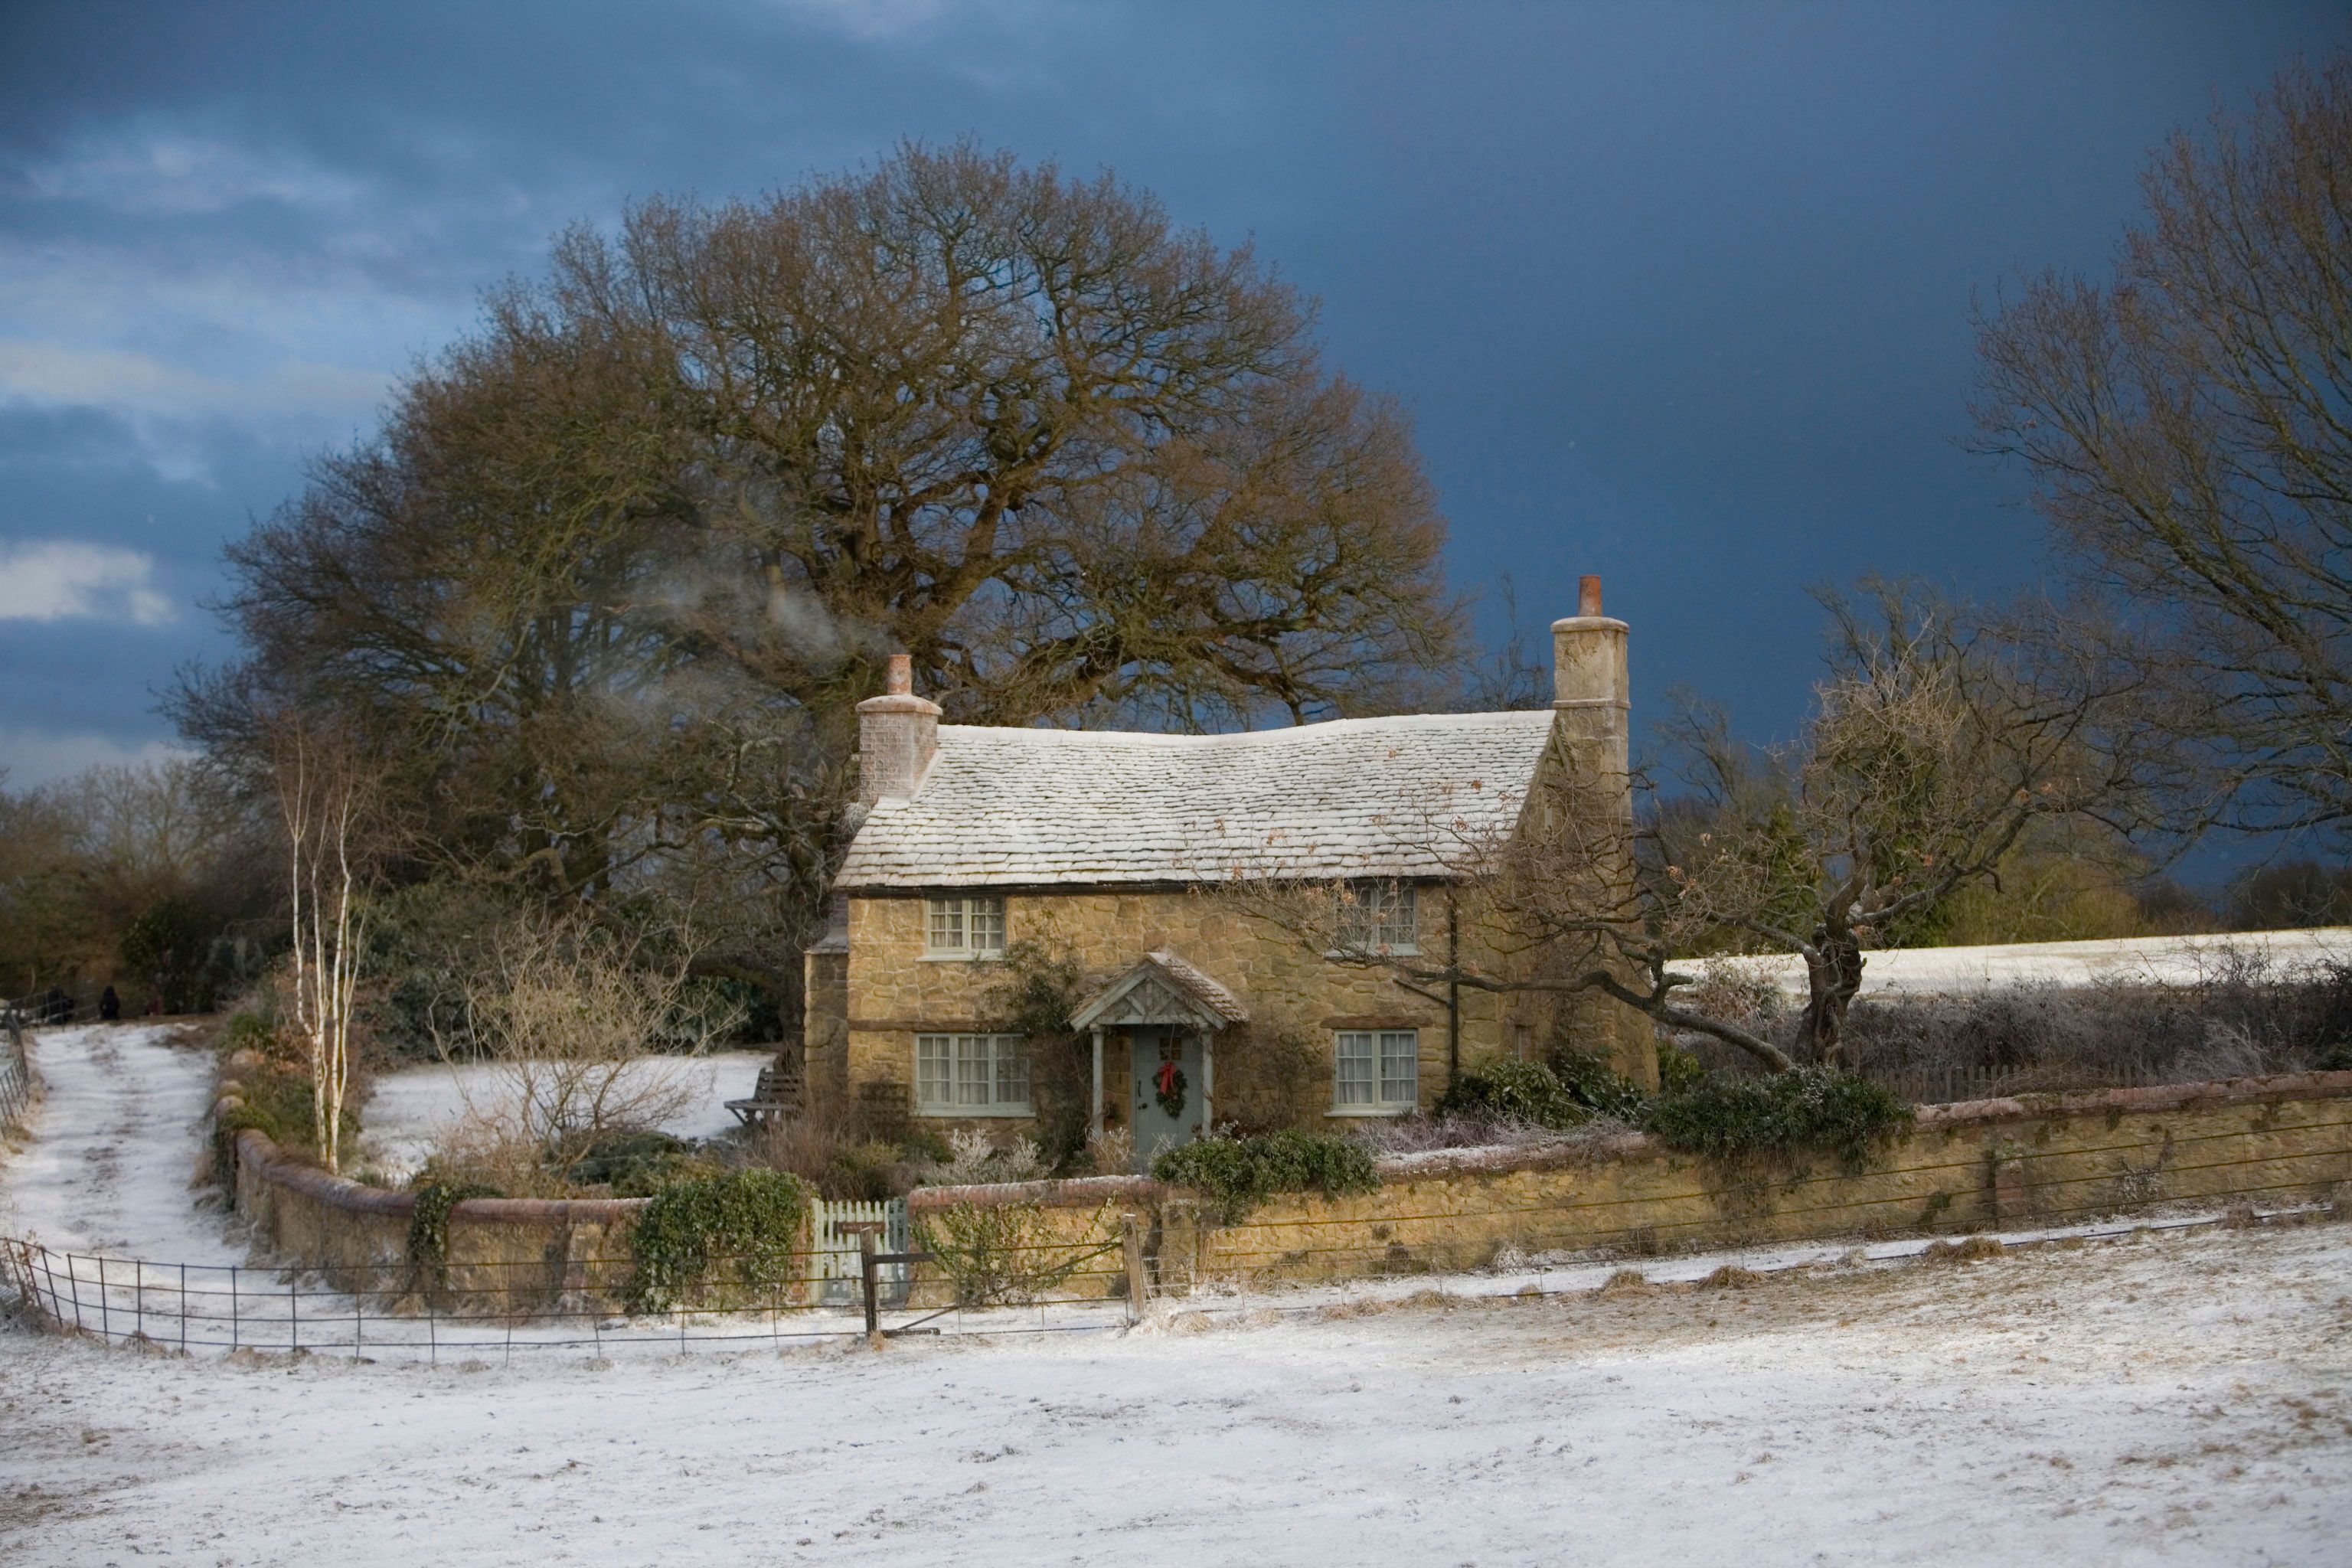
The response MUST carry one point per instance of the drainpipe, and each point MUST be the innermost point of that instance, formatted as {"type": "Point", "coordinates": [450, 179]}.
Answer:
{"type": "Point", "coordinates": [1452, 994]}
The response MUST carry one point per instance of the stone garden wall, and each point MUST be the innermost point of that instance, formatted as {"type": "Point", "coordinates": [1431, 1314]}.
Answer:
{"type": "Point", "coordinates": [2042, 1161]}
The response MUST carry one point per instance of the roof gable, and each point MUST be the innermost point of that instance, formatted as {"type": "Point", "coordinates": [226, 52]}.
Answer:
{"type": "Point", "coordinates": [1161, 988]}
{"type": "Point", "coordinates": [1399, 797]}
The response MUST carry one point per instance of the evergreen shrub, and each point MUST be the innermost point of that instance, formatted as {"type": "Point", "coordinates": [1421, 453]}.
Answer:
{"type": "Point", "coordinates": [737, 1234]}
{"type": "Point", "coordinates": [1239, 1174]}
{"type": "Point", "coordinates": [1781, 1114]}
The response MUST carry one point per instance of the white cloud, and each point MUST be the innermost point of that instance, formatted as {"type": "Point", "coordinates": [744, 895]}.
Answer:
{"type": "Point", "coordinates": [54, 579]}
{"type": "Point", "coordinates": [139, 383]}
{"type": "Point", "coordinates": [32, 757]}
{"type": "Point", "coordinates": [169, 172]}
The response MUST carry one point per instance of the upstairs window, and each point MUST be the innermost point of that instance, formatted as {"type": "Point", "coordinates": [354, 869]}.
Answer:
{"type": "Point", "coordinates": [964, 926]}
{"type": "Point", "coordinates": [972, 1075]}
{"type": "Point", "coordinates": [1375, 1072]}
{"type": "Point", "coordinates": [1379, 917]}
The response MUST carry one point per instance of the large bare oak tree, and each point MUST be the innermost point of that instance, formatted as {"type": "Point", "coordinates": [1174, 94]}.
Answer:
{"type": "Point", "coordinates": [2187, 426]}
{"type": "Point", "coordinates": [609, 582]}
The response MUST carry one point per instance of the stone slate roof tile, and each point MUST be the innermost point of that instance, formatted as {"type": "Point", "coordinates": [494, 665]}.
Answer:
{"type": "Point", "coordinates": [1396, 796]}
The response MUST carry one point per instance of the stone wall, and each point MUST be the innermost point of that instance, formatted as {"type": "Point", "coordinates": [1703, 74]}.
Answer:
{"type": "Point", "coordinates": [893, 991]}
{"type": "Point", "coordinates": [1999, 1163]}
{"type": "Point", "coordinates": [505, 1255]}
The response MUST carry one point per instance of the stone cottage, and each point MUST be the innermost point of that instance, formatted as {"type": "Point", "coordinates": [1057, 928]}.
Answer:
{"type": "Point", "coordinates": [1117, 850]}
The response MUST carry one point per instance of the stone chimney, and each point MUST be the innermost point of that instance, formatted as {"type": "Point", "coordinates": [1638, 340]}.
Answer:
{"type": "Point", "coordinates": [1591, 715]}
{"type": "Point", "coordinates": [1591, 691]}
{"type": "Point", "coordinates": [898, 735]}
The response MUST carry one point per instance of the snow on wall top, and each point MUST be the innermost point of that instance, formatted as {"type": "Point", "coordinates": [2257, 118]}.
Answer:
{"type": "Point", "coordinates": [1399, 797]}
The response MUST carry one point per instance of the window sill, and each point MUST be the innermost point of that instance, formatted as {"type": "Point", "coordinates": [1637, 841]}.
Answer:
{"type": "Point", "coordinates": [1364, 1110]}
{"type": "Point", "coordinates": [1371, 955]}
{"type": "Point", "coordinates": [993, 955]}
{"type": "Point", "coordinates": [974, 1112]}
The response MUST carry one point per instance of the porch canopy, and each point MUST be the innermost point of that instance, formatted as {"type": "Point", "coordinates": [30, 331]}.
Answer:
{"type": "Point", "coordinates": [1160, 988]}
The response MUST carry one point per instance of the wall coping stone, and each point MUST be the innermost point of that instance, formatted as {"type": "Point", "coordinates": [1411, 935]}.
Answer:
{"type": "Point", "coordinates": [1498, 1159]}
{"type": "Point", "coordinates": [255, 1149]}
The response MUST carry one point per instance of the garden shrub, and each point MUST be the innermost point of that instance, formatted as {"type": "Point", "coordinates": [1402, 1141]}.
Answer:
{"type": "Point", "coordinates": [1589, 1081]}
{"type": "Point", "coordinates": [737, 1234]}
{"type": "Point", "coordinates": [1781, 1114]}
{"type": "Point", "coordinates": [635, 1164]}
{"type": "Point", "coordinates": [1522, 1091]}
{"type": "Point", "coordinates": [1004, 1254]}
{"type": "Point", "coordinates": [1241, 1173]}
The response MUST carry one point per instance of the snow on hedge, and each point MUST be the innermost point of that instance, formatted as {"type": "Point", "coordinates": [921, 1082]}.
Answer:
{"type": "Point", "coordinates": [2131, 961]}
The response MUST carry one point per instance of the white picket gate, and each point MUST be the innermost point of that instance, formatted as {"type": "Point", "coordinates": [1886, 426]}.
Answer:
{"type": "Point", "coordinates": [836, 1269]}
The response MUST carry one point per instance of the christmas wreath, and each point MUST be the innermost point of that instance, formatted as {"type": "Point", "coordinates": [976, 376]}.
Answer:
{"type": "Point", "coordinates": [1169, 1083]}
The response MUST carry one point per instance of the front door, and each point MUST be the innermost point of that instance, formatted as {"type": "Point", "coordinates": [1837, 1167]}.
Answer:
{"type": "Point", "coordinates": [1167, 1107]}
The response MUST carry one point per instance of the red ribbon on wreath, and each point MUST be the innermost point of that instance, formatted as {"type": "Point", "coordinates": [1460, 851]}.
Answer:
{"type": "Point", "coordinates": [1170, 1082]}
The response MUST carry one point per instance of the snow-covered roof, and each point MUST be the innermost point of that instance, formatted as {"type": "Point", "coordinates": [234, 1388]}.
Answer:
{"type": "Point", "coordinates": [1399, 797]}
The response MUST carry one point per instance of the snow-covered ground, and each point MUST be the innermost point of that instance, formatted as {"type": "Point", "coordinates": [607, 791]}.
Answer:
{"type": "Point", "coordinates": [114, 1161]}
{"type": "Point", "coordinates": [406, 1110]}
{"type": "Point", "coordinates": [2177, 1396]}
{"type": "Point", "coordinates": [2179, 1399]}
{"type": "Point", "coordinates": [2141, 960]}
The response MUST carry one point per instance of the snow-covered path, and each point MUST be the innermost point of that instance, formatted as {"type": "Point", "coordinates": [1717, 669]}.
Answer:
{"type": "Point", "coordinates": [2178, 1399]}
{"type": "Point", "coordinates": [116, 1148]}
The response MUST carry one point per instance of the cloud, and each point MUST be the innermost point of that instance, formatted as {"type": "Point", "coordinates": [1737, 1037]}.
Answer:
{"type": "Point", "coordinates": [51, 372]}
{"type": "Point", "coordinates": [54, 579]}
{"type": "Point", "coordinates": [33, 757]}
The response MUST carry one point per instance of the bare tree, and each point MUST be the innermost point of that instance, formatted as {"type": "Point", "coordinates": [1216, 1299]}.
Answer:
{"type": "Point", "coordinates": [327, 799]}
{"type": "Point", "coordinates": [2187, 426]}
{"type": "Point", "coordinates": [1934, 746]}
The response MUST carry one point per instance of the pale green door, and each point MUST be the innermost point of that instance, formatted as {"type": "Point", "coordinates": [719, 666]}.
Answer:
{"type": "Point", "coordinates": [1165, 1116]}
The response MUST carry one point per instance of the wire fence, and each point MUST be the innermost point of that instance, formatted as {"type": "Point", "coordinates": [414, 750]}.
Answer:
{"type": "Point", "coordinates": [16, 1071]}
{"type": "Point", "coordinates": [1953, 1085]}
{"type": "Point", "coordinates": [398, 1310]}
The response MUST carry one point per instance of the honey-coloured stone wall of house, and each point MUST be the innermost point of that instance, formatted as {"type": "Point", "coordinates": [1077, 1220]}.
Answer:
{"type": "Point", "coordinates": [2006, 1163]}
{"type": "Point", "coordinates": [894, 991]}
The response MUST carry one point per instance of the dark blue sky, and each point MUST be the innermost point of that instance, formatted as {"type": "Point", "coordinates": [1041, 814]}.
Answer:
{"type": "Point", "coordinates": [1677, 293]}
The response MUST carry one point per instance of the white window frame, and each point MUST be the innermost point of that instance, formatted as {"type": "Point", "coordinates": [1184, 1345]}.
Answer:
{"type": "Point", "coordinates": [973, 1075]}
{"type": "Point", "coordinates": [952, 921]}
{"type": "Point", "coordinates": [1390, 1087]}
{"type": "Point", "coordinates": [1378, 917]}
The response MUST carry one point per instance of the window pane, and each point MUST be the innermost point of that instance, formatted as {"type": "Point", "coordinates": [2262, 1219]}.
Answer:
{"type": "Point", "coordinates": [986, 918]}
{"type": "Point", "coordinates": [934, 1070]}
{"type": "Point", "coordinates": [947, 925]}
{"type": "Point", "coordinates": [973, 1076]}
{"type": "Point", "coordinates": [1352, 1056]}
{"type": "Point", "coordinates": [1356, 915]}
{"type": "Point", "coordinates": [1012, 1070]}
{"type": "Point", "coordinates": [1400, 1067]}
{"type": "Point", "coordinates": [1397, 925]}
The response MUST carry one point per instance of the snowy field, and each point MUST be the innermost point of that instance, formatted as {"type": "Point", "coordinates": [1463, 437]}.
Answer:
{"type": "Point", "coordinates": [2183, 1396]}
{"type": "Point", "coordinates": [2129, 960]}
{"type": "Point", "coordinates": [2177, 1400]}
{"type": "Point", "coordinates": [406, 1110]}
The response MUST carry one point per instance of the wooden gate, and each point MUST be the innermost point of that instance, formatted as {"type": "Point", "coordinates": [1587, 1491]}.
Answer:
{"type": "Point", "coordinates": [834, 1232]}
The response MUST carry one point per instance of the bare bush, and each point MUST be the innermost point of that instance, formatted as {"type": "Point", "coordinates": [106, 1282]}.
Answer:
{"type": "Point", "coordinates": [574, 1017]}
{"type": "Point", "coordinates": [2242, 1016]}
